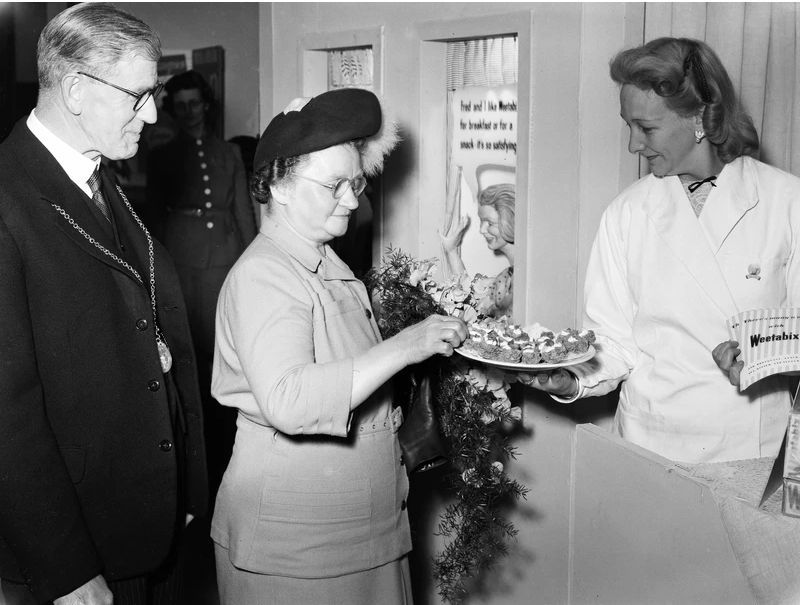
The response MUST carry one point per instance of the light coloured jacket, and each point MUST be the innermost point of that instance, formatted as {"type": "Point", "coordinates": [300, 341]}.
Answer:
{"type": "Point", "coordinates": [311, 490]}
{"type": "Point", "coordinates": [661, 284]}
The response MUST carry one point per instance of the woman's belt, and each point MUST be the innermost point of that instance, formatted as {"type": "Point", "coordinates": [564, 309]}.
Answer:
{"type": "Point", "coordinates": [197, 212]}
{"type": "Point", "coordinates": [393, 422]}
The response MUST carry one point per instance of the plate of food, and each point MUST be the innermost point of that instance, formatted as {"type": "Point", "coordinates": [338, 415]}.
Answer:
{"type": "Point", "coordinates": [528, 367]}
{"type": "Point", "coordinates": [501, 344]}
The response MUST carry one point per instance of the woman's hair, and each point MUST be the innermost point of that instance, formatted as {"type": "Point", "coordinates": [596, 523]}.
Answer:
{"type": "Point", "coordinates": [502, 198]}
{"type": "Point", "coordinates": [284, 169]}
{"type": "Point", "coordinates": [91, 37]}
{"type": "Point", "coordinates": [189, 80]}
{"type": "Point", "coordinates": [276, 171]}
{"type": "Point", "coordinates": [690, 77]}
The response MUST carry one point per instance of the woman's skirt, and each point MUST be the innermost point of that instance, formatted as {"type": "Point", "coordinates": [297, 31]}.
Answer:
{"type": "Point", "coordinates": [389, 584]}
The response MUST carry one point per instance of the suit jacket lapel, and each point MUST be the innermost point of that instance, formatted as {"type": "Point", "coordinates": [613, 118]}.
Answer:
{"type": "Point", "coordinates": [166, 282]}
{"type": "Point", "coordinates": [671, 213]}
{"type": "Point", "coordinates": [130, 233]}
{"type": "Point", "coordinates": [56, 188]}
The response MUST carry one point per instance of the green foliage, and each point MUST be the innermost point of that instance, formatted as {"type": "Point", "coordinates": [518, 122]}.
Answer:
{"type": "Point", "coordinates": [473, 523]}
{"type": "Point", "coordinates": [397, 303]}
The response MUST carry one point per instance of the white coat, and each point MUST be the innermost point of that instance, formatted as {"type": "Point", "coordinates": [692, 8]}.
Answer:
{"type": "Point", "coordinates": [661, 283]}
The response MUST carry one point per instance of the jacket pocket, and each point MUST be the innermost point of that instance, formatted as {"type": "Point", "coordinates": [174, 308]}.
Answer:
{"type": "Point", "coordinates": [342, 306]}
{"type": "Point", "coordinates": [755, 282]}
{"type": "Point", "coordinates": [311, 528]}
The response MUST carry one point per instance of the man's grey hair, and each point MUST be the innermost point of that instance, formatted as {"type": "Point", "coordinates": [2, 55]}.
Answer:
{"type": "Point", "coordinates": [91, 37]}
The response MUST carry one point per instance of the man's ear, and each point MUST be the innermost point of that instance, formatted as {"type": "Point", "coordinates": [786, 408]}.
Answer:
{"type": "Point", "coordinates": [73, 88]}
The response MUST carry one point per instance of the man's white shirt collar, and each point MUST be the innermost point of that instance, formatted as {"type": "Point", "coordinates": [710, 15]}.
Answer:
{"type": "Point", "coordinates": [77, 166]}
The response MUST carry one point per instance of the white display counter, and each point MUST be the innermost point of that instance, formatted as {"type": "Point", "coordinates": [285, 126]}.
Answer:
{"type": "Point", "coordinates": [645, 530]}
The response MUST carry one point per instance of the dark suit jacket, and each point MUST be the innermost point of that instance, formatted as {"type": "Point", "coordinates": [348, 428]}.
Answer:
{"type": "Point", "coordinates": [88, 454]}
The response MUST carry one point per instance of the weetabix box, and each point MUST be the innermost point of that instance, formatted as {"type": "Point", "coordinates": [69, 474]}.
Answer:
{"type": "Point", "coordinates": [769, 341]}
{"type": "Point", "coordinates": [785, 475]}
{"type": "Point", "coordinates": [791, 462]}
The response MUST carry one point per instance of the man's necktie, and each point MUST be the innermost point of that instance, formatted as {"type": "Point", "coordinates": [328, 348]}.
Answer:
{"type": "Point", "coordinates": [97, 194]}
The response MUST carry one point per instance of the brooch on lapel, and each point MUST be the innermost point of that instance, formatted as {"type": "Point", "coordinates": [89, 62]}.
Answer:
{"type": "Point", "coordinates": [753, 272]}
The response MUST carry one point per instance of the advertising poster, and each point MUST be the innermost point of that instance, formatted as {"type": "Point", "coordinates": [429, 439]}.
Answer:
{"type": "Point", "coordinates": [484, 153]}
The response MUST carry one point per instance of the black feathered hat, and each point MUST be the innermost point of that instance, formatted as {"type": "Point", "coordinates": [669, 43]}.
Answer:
{"type": "Point", "coordinates": [329, 119]}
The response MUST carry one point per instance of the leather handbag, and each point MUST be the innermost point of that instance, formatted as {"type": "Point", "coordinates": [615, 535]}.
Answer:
{"type": "Point", "coordinates": [420, 439]}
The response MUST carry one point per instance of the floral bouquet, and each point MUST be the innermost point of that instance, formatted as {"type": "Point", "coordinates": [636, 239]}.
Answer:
{"type": "Point", "coordinates": [472, 410]}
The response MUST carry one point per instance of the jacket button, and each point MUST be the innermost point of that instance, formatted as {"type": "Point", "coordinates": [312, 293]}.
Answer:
{"type": "Point", "coordinates": [403, 505]}
{"type": "Point", "coordinates": [141, 325]}
{"type": "Point", "coordinates": [154, 385]}
{"type": "Point", "coordinates": [369, 313]}
{"type": "Point", "coordinates": [165, 445]}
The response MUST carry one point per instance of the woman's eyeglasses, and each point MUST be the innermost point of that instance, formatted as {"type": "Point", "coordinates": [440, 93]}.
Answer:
{"type": "Point", "coordinates": [340, 187]}
{"type": "Point", "coordinates": [141, 97]}
{"type": "Point", "coordinates": [189, 105]}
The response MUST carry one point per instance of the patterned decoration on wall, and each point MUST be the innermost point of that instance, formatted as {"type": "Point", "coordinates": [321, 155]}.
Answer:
{"type": "Point", "coordinates": [350, 68]}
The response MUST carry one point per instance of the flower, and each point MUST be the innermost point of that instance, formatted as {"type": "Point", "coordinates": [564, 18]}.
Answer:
{"type": "Point", "coordinates": [501, 406]}
{"type": "Point", "coordinates": [470, 476]}
{"type": "Point", "coordinates": [422, 271]}
{"type": "Point", "coordinates": [487, 378]}
{"type": "Point", "coordinates": [481, 286]}
{"type": "Point", "coordinates": [454, 296]}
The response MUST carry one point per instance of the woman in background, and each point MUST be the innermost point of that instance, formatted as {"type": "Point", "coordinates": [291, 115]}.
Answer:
{"type": "Point", "coordinates": [198, 183]}
{"type": "Point", "coordinates": [312, 507]}
{"type": "Point", "coordinates": [709, 233]}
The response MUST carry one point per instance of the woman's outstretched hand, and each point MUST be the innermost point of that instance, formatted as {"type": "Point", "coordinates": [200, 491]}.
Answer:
{"type": "Point", "coordinates": [455, 235]}
{"type": "Point", "coordinates": [559, 382]}
{"type": "Point", "coordinates": [434, 335]}
{"type": "Point", "coordinates": [725, 354]}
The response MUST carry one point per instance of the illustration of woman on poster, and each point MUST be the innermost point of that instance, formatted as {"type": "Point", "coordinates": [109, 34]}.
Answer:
{"type": "Point", "coordinates": [496, 201]}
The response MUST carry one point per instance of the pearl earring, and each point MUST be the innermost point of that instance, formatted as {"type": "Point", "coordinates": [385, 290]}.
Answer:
{"type": "Point", "coordinates": [699, 135]}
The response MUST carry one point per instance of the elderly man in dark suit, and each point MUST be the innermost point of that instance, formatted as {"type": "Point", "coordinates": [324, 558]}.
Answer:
{"type": "Point", "coordinates": [101, 453]}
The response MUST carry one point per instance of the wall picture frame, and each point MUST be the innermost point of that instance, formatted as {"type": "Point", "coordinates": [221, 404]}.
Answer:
{"type": "Point", "coordinates": [210, 63]}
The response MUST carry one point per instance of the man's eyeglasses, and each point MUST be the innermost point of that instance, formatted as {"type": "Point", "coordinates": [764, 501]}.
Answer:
{"type": "Point", "coordinates": [340, 187]}
{"type": "Point", "coordinates": [141, 97]}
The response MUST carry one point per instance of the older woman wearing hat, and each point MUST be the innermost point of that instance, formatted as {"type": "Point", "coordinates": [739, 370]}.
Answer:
{"type": "Point", "coordinates": [312, 507]}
